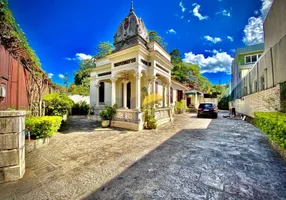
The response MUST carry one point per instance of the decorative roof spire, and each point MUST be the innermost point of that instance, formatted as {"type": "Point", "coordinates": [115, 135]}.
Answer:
{"type": "Point", "coordinates": [131, 9]}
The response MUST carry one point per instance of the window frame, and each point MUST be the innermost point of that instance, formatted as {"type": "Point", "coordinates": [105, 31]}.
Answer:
{"type": "Point", "coordinates": [250, 57]}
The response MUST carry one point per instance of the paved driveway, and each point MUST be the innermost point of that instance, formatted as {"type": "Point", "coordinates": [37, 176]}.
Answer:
{"type": "Point", "coordinates": [189, 158]}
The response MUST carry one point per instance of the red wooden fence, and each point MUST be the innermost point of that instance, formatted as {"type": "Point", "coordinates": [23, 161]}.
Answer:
{"type": "Point", "coordinates": [14, 78]}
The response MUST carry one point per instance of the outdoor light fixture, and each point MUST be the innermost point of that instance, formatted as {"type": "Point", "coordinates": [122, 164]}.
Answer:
{"type": "Point", "coordinates": [2, 91]}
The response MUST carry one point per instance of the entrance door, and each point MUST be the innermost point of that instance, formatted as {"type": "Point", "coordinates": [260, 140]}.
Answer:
{"type": "Point", "coordinates": [188, 102]}
{"type": "Point", "coordinates": [129, 95]}
{"type": "Point", "coordinates": [101, 92]}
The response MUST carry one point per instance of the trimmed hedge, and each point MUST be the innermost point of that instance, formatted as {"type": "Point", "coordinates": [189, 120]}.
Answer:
{"type": "Point", "coordinates": [272, 124]}
{"type": "Point", "coordinates": [41, 127]}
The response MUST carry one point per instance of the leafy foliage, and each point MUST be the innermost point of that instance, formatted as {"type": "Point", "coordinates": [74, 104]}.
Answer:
{"type": "Point", "coordinates": [180, 106]}
{"type": "Point", "coordinates": [153, 36]}
{"type": "Point", "coordinates": [57, 104]}
{"type": "Point", "coordinates": [283, 97]}
{"type": "Point", "coordinates": [272, 124]}
{"type": "Point", "coordinates": [41, 127]}
{"type": "Point", "coordinates": [103, 49]}
{"type": "Point", "coordinates": [149, 119]}
{"type": "Point", "coordinates": [188, 73]}
{"type": "Point", "coordinates": [13, 36]}
{"type": "Point", "coordinates": [108, 113]}
{"type": "Point", "coordinates": [81, 108]}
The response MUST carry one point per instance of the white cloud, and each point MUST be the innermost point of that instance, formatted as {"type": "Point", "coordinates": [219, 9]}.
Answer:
{"type": "Point", "coordinates": [214, 51]}
{"type": "Point", "coordinates": [182, 6]}
{"type": "Point", "coordinates": [256, 12]}
{"type": "Point", "coordinates": [219, 62]}
{"type": "Point", "coordinates": [82, 56]}
{"type": "Point", "coordinates": [171, 31]}
{"type": "Point", "coordinates": [224, 13]}
{"type": "Point", "coordinates": [230, 38]}
{"type": "Point", "coordinates": [253, 31]}
{"type": "Point", "coordinates": [213, 40]}
{"type": "Point", "coordinates": [61, 76]}
{"type": "Point", "coordinates": [196, 12]}
{"type": "Point", "coordinates": [50, 75]}
{"type": "Point", "coordinates": [79, 56]}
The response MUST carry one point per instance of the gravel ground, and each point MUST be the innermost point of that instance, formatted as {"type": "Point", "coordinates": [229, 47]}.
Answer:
{"type": "Point", "coordinates": [188, 158]}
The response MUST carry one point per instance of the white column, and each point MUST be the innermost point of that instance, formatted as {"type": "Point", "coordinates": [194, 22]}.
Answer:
{"type": "Point", "coordinates": [125, 94]}
{"type": "Point", "coordinates": [168, 94]}
{"type": "Point", "coordinates": [153, 79]}
{"type": "Point", "coordinates": [113, 90]}
{"type": "Point", "coordinates": [164, 95]}
{"type": "Point", "coordinates": [196, 100]}
{"type": "Point", "coordinates": [138, 90]}
{"type": "Point", "coordinates": [97, 94]}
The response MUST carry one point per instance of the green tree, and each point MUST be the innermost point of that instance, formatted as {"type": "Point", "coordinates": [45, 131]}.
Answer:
{"type": "Point", "coordinates": [153, 36]}
{"type": "Point", "coordinates": [176, 56]}
{"type": "Point", "coordinates": [103, 49]}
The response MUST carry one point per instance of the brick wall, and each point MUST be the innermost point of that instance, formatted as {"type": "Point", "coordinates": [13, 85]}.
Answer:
{"type": "Point", "coordinates": [258, 102]}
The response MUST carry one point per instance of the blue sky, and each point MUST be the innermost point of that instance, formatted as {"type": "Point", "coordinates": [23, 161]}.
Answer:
{"type": "Point", "coordinates": [205, 31]}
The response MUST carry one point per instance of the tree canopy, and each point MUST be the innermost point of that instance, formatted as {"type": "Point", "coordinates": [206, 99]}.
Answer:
{"type": "Point", "coordinates": [188, 73]}
{"type": "Point", "coordinates": [103, 49]}
{"type": "Point", "coordinates": [14, 37]}
{"type": "Point", "coordinates": [153, 36]}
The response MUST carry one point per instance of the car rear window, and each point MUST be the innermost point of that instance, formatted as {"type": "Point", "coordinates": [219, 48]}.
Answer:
{"type": "Point", "coordinates": [206, 105]}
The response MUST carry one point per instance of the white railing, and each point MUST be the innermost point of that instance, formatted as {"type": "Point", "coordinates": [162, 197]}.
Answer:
{"type": "Point", "coordinates": [125, 115]}
{"type": "Point", "coordinates": [162, 113]}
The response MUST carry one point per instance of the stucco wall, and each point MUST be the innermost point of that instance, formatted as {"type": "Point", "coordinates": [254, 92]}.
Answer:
{"type": "Point", "coordinates": [275, 24]}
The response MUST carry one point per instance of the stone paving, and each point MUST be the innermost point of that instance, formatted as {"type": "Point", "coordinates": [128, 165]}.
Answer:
{"type": "Point", "coordinates": [189, 158]}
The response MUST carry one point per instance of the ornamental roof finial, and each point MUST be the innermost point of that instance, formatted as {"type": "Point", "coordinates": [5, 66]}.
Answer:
{"type": "Point", "coordinates": [131, 9]}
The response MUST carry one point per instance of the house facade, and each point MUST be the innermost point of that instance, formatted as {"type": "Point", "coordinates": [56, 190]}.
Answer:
{"type": "Point", "coordinates": [244, 60]}
{"type": "Point", "coordinates": [261, 87]}
{"type": "Point", "coordinates": [135, 69]}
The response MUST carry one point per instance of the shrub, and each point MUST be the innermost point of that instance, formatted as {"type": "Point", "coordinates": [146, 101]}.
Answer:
{"type": "Point", "coordinates": [179, 106]}
{"type": "Point", "coordinates": [272, 124]}
{"type": "Point", "coordinates": [41, 127]}
{"type": "Point", "coordinates": [108, 113]}
{"type": "Point", "coordinates": [151, 121]}
{"type": "Point", "coordinates": [81, 108]}
{"type": "Point", "coordinates": [57, 104]}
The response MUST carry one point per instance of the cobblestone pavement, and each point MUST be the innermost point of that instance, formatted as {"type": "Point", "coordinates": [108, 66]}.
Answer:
{"type": "Point", "coordinates": [189, 158]}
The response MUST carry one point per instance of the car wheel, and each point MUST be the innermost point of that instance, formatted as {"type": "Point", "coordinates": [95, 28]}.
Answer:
{"type": "Point", "coordinates": [215, 117]}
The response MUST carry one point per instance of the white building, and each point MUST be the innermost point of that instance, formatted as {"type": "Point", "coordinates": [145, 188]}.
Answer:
{"type": "Point", "coordinates": [137, 67]}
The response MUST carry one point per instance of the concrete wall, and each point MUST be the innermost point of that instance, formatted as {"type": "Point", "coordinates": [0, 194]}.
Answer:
{"type": "Point", "coordinates": [275, 24]}
{"type": "Point", "coordinates": [78, 98]}
{"type": "Point", "coordinates": [257, 102]}
{"type": "Point", "coordinates": [12, 145]}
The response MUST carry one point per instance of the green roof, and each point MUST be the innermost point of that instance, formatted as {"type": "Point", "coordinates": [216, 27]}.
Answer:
{"type": "Point", "coordinates": [252, 48]}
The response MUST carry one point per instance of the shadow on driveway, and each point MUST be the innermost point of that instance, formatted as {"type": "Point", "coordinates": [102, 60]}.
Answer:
{"type": "Point", "coordinates": [228, 160]}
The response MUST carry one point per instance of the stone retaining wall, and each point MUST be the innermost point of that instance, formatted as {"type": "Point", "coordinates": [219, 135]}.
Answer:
{"type": "Point", "coordinates": [12, 145]}
{"type": "Point", "coordinates": [257, 102]}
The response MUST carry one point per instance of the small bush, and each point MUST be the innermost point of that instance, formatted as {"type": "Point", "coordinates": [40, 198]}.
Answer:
{"type": "Point", "coordinates": [57, 104]}
{"type": "Point", "coordinates": [108, 113]}
{"type": "Point", "coordinates": [41, 127]}
{"type": "Point", "coordinates": [151, 121]}
{"type": "Point", "coordinates": [179, 106]}
{"type": "Point", "coordinates": [272, 124]}
{"type": "Point", "coordinates": [81, 108]}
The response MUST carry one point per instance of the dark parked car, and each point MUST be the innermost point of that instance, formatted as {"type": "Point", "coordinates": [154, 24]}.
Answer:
{"type": "Point", "coordinates": [208, 110]}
